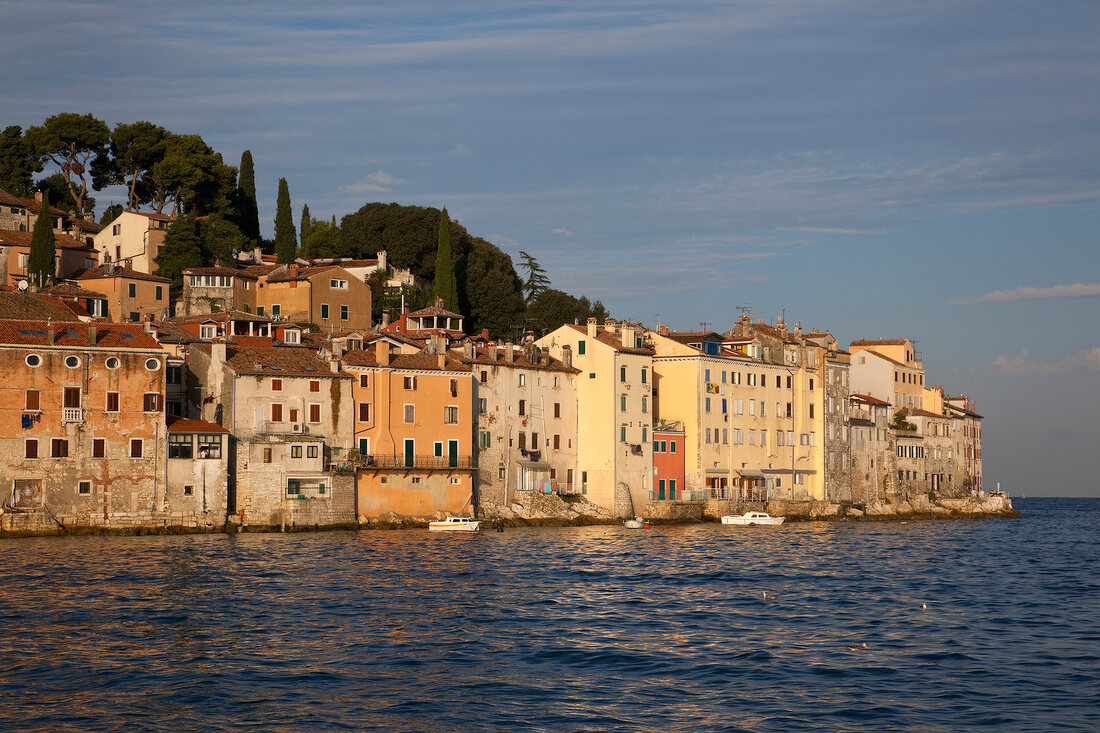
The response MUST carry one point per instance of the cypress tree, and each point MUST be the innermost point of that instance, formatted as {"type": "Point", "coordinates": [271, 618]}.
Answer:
{"type": "Point", "coordinates": [445, 285]}
{"type": "Point", "coordinates": [40, 261]}
{"type": "Point", "coordinates": [286, 240]}
{"type": "Point", "coordinates": [304, 228]}
{"type": "Point", "coordinates": [246, 185]}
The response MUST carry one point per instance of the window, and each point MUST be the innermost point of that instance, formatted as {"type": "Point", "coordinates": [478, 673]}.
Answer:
{"type": "Point", "coordinates": [454, 387]}
{"type": "Point", "coordinates": [99, 448]}
{"type": "Point", "coordinates": [274, 310]}
{"type": "Point", "coordinates": [116, 230]}
{"type": "Point", "coordinates": [311, 451]}
{"type": "Point", "coordinates": [292, 337]}
{"type": "Point", "coordinates": [622, 374]}
{"type": "Point", "coordinates": [707, 407]}
{"type": "Point", "coordinates": [622, 403]}
{"type": "Point", "coordinates": [724, 410]}
{"type": "Point", "coordinates": [210, 446]}
{"type": "Point", "coordinates": [645, 377]}
{"type": "Point", "coordinates": [295, 451]}
{"type": "Point", "coordinates": [152, 364]}
{"type": "Point", "coordinates": [622, 433]}
{"type": "Point", "coordinates": [135, 316]}
{"type": "Point", "coordinates": [151, 402]}
{"type": "Point", "coordinates": [276, 385]}
{"type": "Point", "coordinates": [131, 290]}
{"type": "Point", "coordinates": [522, 379]}
{"type": "Point", "coordinates": [788, 409]}
{"type": "Point", "coordinates": [364, 412]}
{"type": "Point", "coordinates": [485, 439]}
{"type": "Point", "coordinates": [267, 455]}
{"type": "Point", "coordinates": [314, 385]}
{"type": "Point", "coordinates": [137, 447]}
{"type": "Point", "coordinates": [779, 437]}
{"type": "Point", "coordinates": [437, 449]}
{"type": "Point", "coordinates": [207, 331]}
{"type": "Point", "coordinates": [173, 375]}
{"type": "Point", "coordinates": [557, 409]}
{"type": "Point", "coordinates": [410, 383]}
{"type": "Point", "coordinates": [811, 412]}
{"type": "Point", "coordinates": [324, 310]}
{"type": "Point", "coordinates": [364, 381]}
{"type": "Point", "coordinates": [450, 415]}
{"type": "Point", "coordinates": [179, 446]}
{"type": "Point", "coordinates": [580, 348]}
{"type": "Point", "coordinates": [482, 406]}
{"type": "Point", "coordinates": [70, 397]}
{"type": "Point", "coordinates": [343, 313]}
{"type": "Point", "coordinates": [33, 400]}
{"type": "Point", "coordinates": [72, 361]}
{"type": "Point", "coordinates": [159, 292]}
{"type": "Point", "coordinates": [484, 376]}
{"type": "Point", "coordinates": [672, 446]}
{"type": "Point", "coordinates": [30, 448]}
{"type": "Point", "coordinates": [84, 487]}
{"type": "Point", "coordinates": [788, 382]}
{"type": "Point", "coordinates": [338, 284]}
{"type": "Point", "coordinates": [314, 412]}
{"type": "Point", "coordinates": [811, 384]}
{"type": "Point", "coordinates": [276, 412]}
{"type": "Point", "coordinates": [557, 442]}
{"type": "Point", "coordinates": [410, 414]}
{"type": "Point", "coordinates": [645, 435]}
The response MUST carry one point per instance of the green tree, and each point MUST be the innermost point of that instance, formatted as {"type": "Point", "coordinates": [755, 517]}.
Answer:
{"type": "Point", "coordinates": [247, 204]}
{"type": "Point", "coordinates": [494, 293]}
{"type": "Point", "coordinates": [221, 240]}
{"type": "Point", "coordinates": [70, 141]}
{"type": "Point", "coordinates": [286, 239]}
{"type": "Point", "coordinates": [303, 227]}
{"type": "Point", "coordinates": [41, 263]}
{"type": "Point", "coordinates": [445, 286]}
{"type": "Point", "coordinates": [537, 280]}
{"type": "Point", "coordinates": [320, 239]}
{"type": "Point", "coordinates": [192, 177]}
{"type": "Point", "coordinates": [55, 187]}
{"type": "Point", "coordinates": [182, 248]}
{"type": "Point", "coordinates": [134, 150]}
{"type": "Point", "coordinates": [17, 163]}
{"type": "Point", "coordinates": [111, 213]}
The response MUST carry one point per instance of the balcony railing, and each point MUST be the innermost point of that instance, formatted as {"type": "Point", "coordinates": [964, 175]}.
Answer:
{"type": "Point", "coordinates": [420, 462]}
{"type": "Point", "coordinates": [571, 489]}
{"type": "Point", "coordinates": [72, 414]}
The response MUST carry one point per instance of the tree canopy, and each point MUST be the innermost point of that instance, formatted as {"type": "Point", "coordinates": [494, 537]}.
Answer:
{"type": "Point", "coordinates": [247, 205]}
{"type": "Point", "coordinates": [133, 151]}
{"type": "Point", "coordinates": [18, 163]}
{"type": "Point", "coordinates": [182, 248]}
{"type": "Point", "coordinates": [40, 261]}
{"type": "Point", "coordinates": [71, 142]}
{"type": "Point", "coordinates": [537, 280]}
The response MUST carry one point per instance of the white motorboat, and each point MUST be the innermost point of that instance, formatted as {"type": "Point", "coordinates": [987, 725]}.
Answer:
{"type": "Point", "coordinates": [635, 523]}
{"type": "Point", "coordinates": [751, 519]}
{"type": "Point", "coordinates": [455, 524]}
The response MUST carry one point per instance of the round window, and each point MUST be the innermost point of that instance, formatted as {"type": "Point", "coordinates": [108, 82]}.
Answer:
{"type": "Point", "coordinates": [113, 362]}
{"type": "Point", "coordinates": [152, 364]}
{"type": "Point", "coordinates": [72, 361]}
{"type": "Point", "coordinates": [34, 360]}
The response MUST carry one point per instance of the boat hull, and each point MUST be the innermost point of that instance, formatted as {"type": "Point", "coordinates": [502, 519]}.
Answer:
{"type": "Point", "coordinates": [454, 526]}
{"type": "Point", "coordinates": [752, 521]}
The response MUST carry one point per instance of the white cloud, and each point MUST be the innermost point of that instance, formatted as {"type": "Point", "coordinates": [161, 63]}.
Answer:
{"type": "Point", "coordinates": [565, 232]}
{"type": "Point", "coordinates": [828, 230]}
{"type": "Point", "coordinates": [1076, 290]}
{"type": "Point", "coordinates": [377, 182]}
{"type": "Point", "coordinates": [460, 151]}
{"type": "Point", "coordinates": [1023, 365]}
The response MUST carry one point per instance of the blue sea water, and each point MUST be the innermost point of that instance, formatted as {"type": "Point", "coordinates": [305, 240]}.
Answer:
{"type": "Point", "coordinates": [563, 629]}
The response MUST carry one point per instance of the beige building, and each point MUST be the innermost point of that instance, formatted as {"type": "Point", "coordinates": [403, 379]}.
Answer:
{"type": "Point", "coordinates": [890, 370]}
{"type": "Point", "coordinates": [327, 296]}
{"type": "Point", "coordinates": [132, 296]}
{"type": "Point", "coordinates": [70, 256]}
{"type": "Point", "coordinates": [197, 472]}
{"type": "Point", "coordinates": [614, 411]}
{"type": "Point", "coordinates": [133, 240]}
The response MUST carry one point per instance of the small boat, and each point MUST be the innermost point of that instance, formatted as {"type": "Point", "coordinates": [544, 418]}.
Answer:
{"type": "Point", "coordinates": [455, 524]}
{"type": "Point", "coordinates": [751, 519]}
{"type": "Point", "coordinates": [636, 523]}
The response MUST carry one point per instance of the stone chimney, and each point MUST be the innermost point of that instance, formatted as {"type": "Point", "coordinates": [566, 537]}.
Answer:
{"type": "Point", "coordinates": [91, 335]}
{"type": "Point", "coordinates": [567, 356]}
{"type": "Point", "coordinates": [257, 256]}
{"type": "Point", "coordinates": [592, 328]}
{"type": "Point", "coordinates": [38, 196]}
{"type": "Point", "coordinates": [439, 302]}
{"type": "Point", "coordinates": [509, 353]}
{"type": "Point", "coordinates": [382, 260]}
{"type": "Point", "coordinates": [50, 334]}
{"type": "Point", "coordinates": [798, 330]}
{"type": "Point", "coordinates": [441, 359]}
{"type": "Point", "coordinates": [382, 352]}
{"type": "Point", "coordinates": [663, 330]}
{"type": "Point", "coordinates": [469, 353]}
{"type": "Point", "coordinates": [217, 352]}
{"type": "Point", "coordinates": [610, 324]}
{"type": "Point", "coordinates": [628, 336]}
{"type": "Point", "coordinates": [385, 318]}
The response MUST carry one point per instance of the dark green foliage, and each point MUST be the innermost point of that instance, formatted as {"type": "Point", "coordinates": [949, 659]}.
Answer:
{"type": "Point", "coordinates": [55, 187]}
{"type": "Point", "coordinates": [286, 240]}
{"type": "Point", "coordinates": [70, 141]}
{"type": "Point", "coordinates": [494, 297]}
{"type": "Point", "coordinates": [182, 248]}
{"type": "Point", "coordinates": [111, 213]}
{"type": "Point", "coordinates": [303, 226]}
{"type": "Point", "coordinates": [17, 163]}
{"type": "Point", "coordinates": [221, 239]}
{"type": "Point", "coordinates": [40, 262]}
{"type": "Point", "coordinates": [409, 234]}
{"type": "Point", "coordinates": [537, 281]}
{"type": "Point", "coordinates": [247, 206]}
{"type": "Point", "coordinates": [445, 285]}
{"type": "Point", "coordinates": [192, 177]}
{"type": "Point", "coordinates": [134, 150]}
{"type": "Point", "coordinates": [320, 238]}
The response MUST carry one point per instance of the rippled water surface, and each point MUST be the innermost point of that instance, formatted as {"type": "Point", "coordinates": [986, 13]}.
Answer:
{"type": "Point", "coordinates": [593, 628]}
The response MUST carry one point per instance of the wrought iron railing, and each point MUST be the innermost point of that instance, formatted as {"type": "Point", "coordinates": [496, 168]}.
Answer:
{"type": "Point", "coordinates": [424, 462]}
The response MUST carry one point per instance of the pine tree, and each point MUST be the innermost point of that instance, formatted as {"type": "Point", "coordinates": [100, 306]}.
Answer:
{"type": "Point", "coordinates": [445, 285]}
{"type": "Point", "coordinates": [40, 262]}
{"type": "Point", "coordinates": [286, 240]}
{"type": "Point", "coordinates": [537, 280]}
{"type": "Point", "coordinates": [246, 185]}
{"type": "Point", "coordinates": [181, 249]}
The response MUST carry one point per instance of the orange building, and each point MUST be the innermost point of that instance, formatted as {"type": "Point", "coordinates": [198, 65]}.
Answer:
{"type": "Point", "coordinates": [414, 432]}
{"type": "Point", "coordinates": [70, 256]}
{"type": "Point", "coordinates": [132, 296]}
{"type": "Point", "coordinates": [328, 296]}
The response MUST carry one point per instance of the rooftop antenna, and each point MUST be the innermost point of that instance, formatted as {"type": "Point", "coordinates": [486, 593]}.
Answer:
{"type": "Point", "coordinates": [704, 325]}
{"type": "Point", "coordinates": [745, 309]}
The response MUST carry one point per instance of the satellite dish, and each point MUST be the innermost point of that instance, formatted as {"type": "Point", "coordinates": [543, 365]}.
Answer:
{"type": "Point", "coordinates": [23, 285]}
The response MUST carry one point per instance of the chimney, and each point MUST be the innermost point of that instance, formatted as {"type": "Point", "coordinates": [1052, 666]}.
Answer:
{"type": "Point", "coordinates": [468, 352]}
{"type": "Point", "coordinates": [509, 354]}
{"type": "Point", "coordinates": [382, 352]}
{"type": "Point", "coordinates": [592, 328]}
{"type": "Point", "coordinates": [385, 318]}
{"type": "Point", "coordinates": [485, 334]}
{"type": "Point", "coordinates": [441, 359]}
{"type": "Point", "coordinates": [257, 256]}
{"type": "Point", "coordinates": [628, 337]}
{"type": "Point", "coordinates": [567, 356]}
{"type": "Point", "coordinates": [217, 352]}
{"type": "Point", "coordinates": [530, 351]}
{"type": "Point", "coordinates": [664, 330]}
{"type": "Point", "coordinates": [439, 303]}
{"type": "Point", "coordinates": [382, 261]}
{"type": "Point", "coordinates": [610, 324]}
{"type": "Point", "coordinates": [38, 196]}
{"type": "Point", "coordinates": [50, 336]}
{"type": "Point", "coordinates": [91, 335]}
{"type": "Point", "coordinates": [798, 330]}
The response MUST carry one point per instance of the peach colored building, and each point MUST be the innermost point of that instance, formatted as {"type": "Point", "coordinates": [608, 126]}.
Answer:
{"type": "Point", "coordinates": [414, 432]}
{"type": "Point", "coordinates": [70, 256]}
{"type": "Point", "coordinates": [132, 296]}
{"type": "Point", "coordinates": [327, 296]}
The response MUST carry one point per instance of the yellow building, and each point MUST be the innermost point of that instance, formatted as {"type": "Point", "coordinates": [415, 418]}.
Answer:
{"type": "Point", "coordinates": [414, 432]}
{"type": "Point", "coordinates": [614, 411]}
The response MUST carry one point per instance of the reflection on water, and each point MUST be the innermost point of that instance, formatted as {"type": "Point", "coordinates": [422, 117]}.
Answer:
{"type": "Point", "coordinates": [563, 629]}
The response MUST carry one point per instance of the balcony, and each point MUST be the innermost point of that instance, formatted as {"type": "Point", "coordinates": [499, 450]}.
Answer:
{"type": "Point", "coordinates": [418, 462]}
{"type": "Point", "coordinates": [72, 414]}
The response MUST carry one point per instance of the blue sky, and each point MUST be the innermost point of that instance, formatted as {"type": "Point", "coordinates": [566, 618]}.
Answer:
{"type": "Point", "coordinates": [879, 169]}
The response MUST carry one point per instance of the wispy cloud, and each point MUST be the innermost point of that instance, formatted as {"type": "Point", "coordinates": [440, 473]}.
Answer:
{"type": "Point", "coordinates": [1076, 290]}
{"type": "Point", "coordinates": [1023, 365]}
{"type": "Point", "coordinates": [562, 231]}
{"type": "Point", "coordinates": [828, 230]}
{"type": "Point", "coordinates": [459, 151]}
{"type": "Point", "coordinates": [377, 182]}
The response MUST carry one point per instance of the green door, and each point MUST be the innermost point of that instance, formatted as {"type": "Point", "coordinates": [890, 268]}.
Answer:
{"type": "Point", "coordinates": [661, 490]}
{"type": "Point", "coordinates": [452, 453]}
{"type": "Point", "coordinates": [409, 444]}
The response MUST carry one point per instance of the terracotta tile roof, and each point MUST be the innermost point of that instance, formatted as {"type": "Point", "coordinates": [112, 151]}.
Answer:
{"type": "Point", "coordinates": [275, 361]}
{"type": "Point", "coordinates": [108, 335]}
{"type": "Point", "coordinates": [105, 272]}
{"type": "Point", "coordinates": [69, 289]}
{"type": "Point", "coordinates": [7, 199]}
{"type": "Point", "coordinates": [923, 413]}
{"type": "Point", "coordinates": [62, 241]}
{"type": "Point", "coordinates": [186, 425]}
{"type": "Point", "coordinates": [879, 342]}
{"type": "Point", "coordinates": [433, 310]}
{"type": "Point", "coordinates": [297, 272]}
{"type": "Point", "coordinates": [421, 361]}
{"type": "Point", "coordinates": [221, 317]}
{"type": "Point", "coordinates": [227, 271]}
{"type": "Point", "coordinates": [685, 336]}
{"type": "Point", "coordinates": [494, 356]}
{"type": "Point", "coordinates": [613, 340]}
{"type": "Point", "coordinates": [259, 270]}
{"type": "Point", "coordinates": [870, 400]}
{"type": "Point", "coordinates": [169, 333]}
{"type": "Point", "coordinates": [34, 306]}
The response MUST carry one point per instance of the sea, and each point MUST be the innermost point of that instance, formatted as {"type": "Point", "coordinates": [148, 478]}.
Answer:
{"type": "Point", "coordinates": [966, 624]}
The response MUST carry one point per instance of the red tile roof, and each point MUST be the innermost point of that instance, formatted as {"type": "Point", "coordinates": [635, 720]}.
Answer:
{"type": "Point", "coordinates": [870, 400]}
{"type": "Point", "coordinates": [34, 306]}
{"type": "Point", "coordinates": [108, 335]}
{"type": "Point", "coordinates": [186, 425]}
{"type": "Point", "coordinates": [420, 361]}
{"type": "Point", "coordinates": [62, 241]}
{"type": "Point", "coordinates": [227, 271]}
{"type": "Point", "coordinates": [274, 361]}
{"type": "Point", "coordinates": [614, 340]}
{"type": "Point", "coordinates": [105, 272]}
{"type": "Point", "coordinates": [494, 356]}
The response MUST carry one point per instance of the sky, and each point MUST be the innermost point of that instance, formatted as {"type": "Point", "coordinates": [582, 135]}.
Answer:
{"type": "Point", "coordinates": [928, 169]}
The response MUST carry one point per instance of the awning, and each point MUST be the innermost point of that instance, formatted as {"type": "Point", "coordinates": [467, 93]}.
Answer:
{"type": "Point", "coordinates": [534, 465]}
{"type": "Point", "coordinates": [750, 473]}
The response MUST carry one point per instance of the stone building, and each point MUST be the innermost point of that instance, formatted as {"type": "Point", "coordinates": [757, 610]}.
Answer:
{"type": "Point", "coordinates": [132, 296]}
{"type": "Point", "coordinates": [838, 458]}
{"type": "Point", "coordinates": [527, 420]}
{"type": "Point", "coordinates": [198, 473]}
{"type": "Point", "coordinates": [82, 426]}
{"type": "Point", "coordinates": [871, 448]}
{"type": "Point", "coordinates": [217, 289]}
